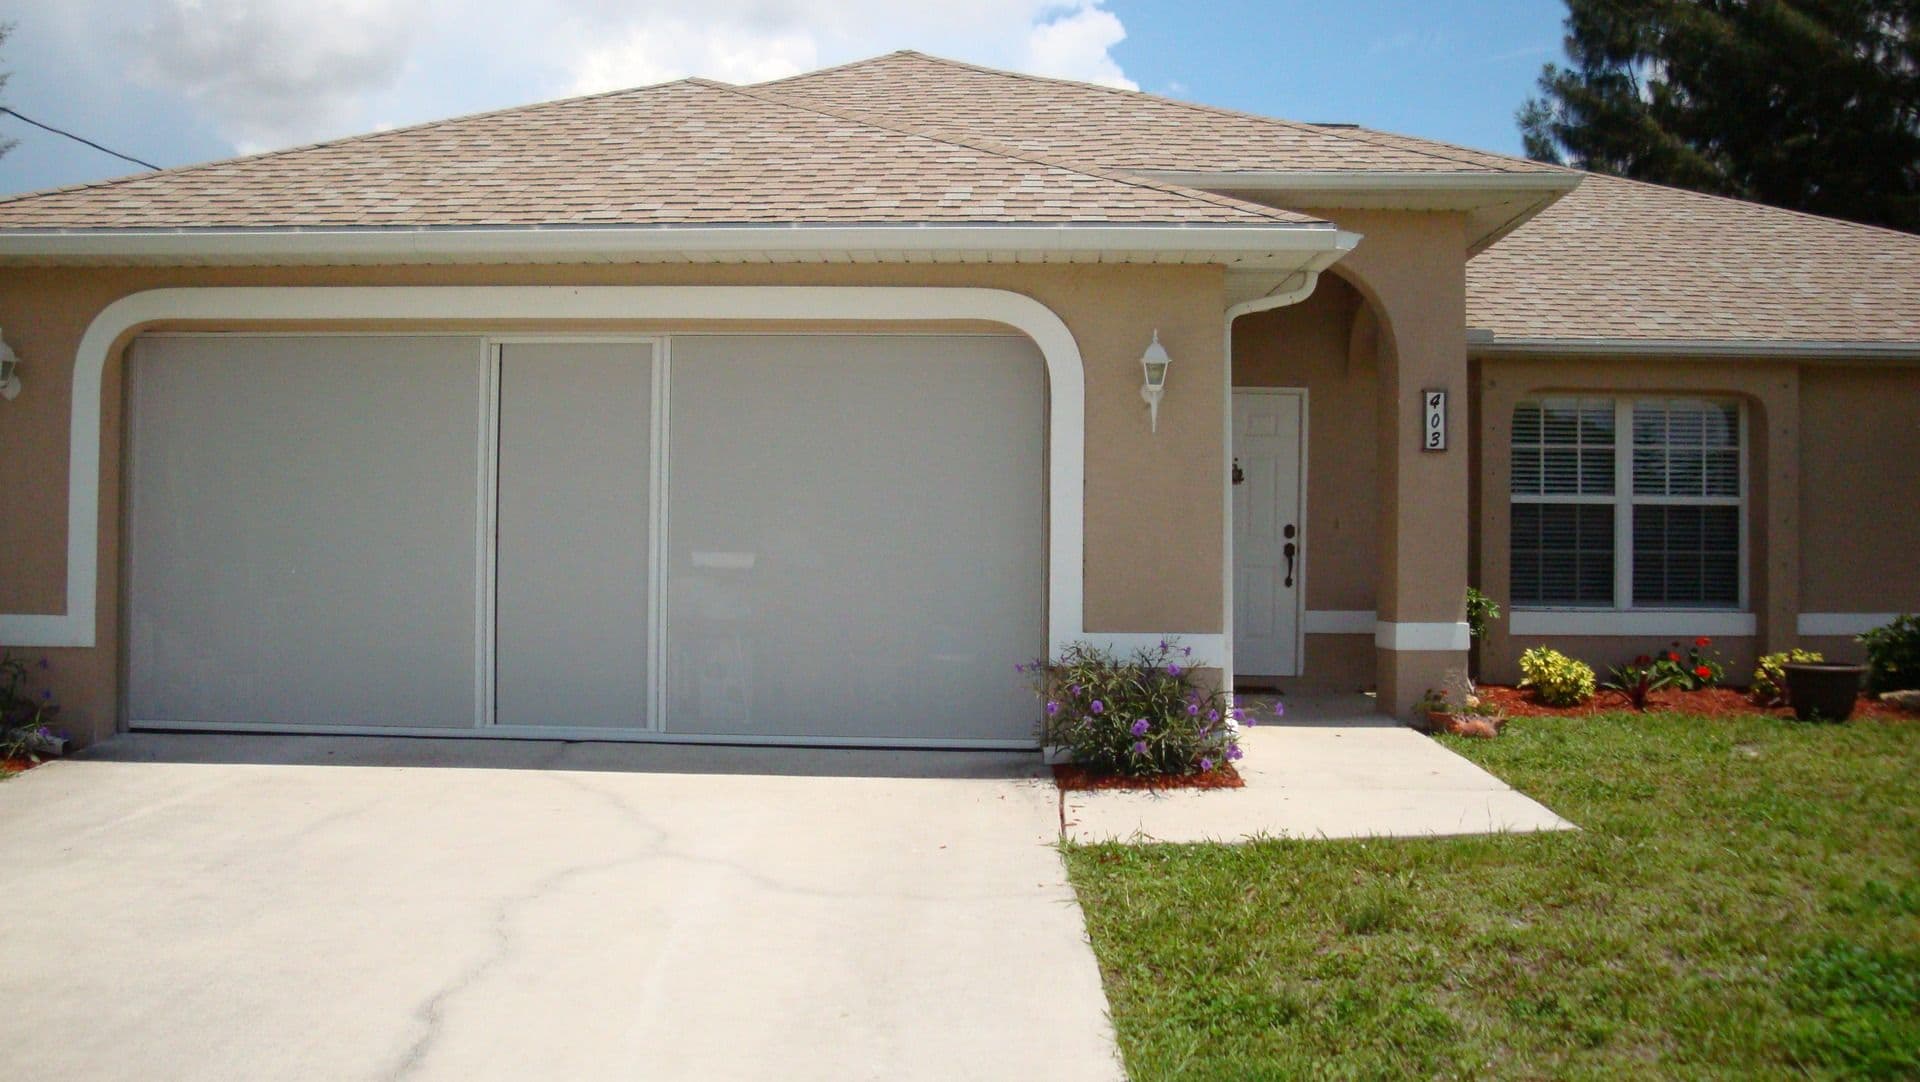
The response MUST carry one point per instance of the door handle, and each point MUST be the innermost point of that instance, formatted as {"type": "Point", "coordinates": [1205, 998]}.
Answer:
{"type": "Point", "coordinates": [1290, 550]}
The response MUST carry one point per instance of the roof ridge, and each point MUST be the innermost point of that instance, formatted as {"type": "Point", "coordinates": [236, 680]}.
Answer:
{"type": "Point", "coordinates": [357, 137]}
{"type": "Point", "coordinates": [1297, 125]}
{"type": "Point", "coordinates": [1272, 213]}
{"type": "Point", "coordinates": [1825, 219]}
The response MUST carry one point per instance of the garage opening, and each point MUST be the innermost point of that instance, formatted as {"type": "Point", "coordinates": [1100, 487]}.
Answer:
{"type": "Point", "coordinates": [792, 538]}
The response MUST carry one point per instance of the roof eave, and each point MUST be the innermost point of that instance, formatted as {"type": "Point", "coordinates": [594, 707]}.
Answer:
{"type": "Point", "coordinates": [1496, 203]}
{"type": "Point", "coordinates": [1277, 244]}
{"type": "Point", "coordinates": [1482, 344]}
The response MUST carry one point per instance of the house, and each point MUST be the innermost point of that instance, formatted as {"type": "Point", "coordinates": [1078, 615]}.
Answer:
{"type": "Point", "coordinates": [802, 412]}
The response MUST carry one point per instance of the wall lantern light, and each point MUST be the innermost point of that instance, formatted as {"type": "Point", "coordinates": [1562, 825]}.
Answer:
{"type": "Point", "coordinates": [9, 371]}
{"type": "Point", "coordinates": [1153, 366]}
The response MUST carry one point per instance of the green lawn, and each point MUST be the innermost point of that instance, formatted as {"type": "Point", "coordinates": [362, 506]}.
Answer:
{"type": "Point", "coordinates": [1744, 902]}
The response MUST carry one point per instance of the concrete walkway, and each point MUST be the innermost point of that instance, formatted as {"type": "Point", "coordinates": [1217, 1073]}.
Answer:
{"type": "Point", "coordinates": [1330, 769]}
{"type": "Point", "coordinates": [185, 907]}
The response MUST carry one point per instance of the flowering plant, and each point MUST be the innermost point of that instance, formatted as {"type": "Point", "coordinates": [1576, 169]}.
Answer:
{"type": "Point", "coordinates": [1141, 715]}
{"type": "Point", "coordinates": [23, 714]}
{"type": "Point", "coordinates": [1638, 679]}
{"type": "Point", "coordinates": [1688, 668]}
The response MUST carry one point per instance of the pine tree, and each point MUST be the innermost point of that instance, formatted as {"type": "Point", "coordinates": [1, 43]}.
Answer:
{"type": "Point", "coordinates": [1809, 104]}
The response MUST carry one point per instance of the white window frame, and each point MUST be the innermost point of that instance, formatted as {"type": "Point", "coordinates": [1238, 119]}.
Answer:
{"type": "Point", "coordinates": [1651, 619]}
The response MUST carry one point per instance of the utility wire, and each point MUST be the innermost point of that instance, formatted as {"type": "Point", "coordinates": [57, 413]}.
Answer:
{"type": "Point", "coordinates": [76, 138]}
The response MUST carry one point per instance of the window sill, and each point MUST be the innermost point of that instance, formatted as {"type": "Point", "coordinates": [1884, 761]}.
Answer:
{"type": "Point", "coordinates": [1653, 623]}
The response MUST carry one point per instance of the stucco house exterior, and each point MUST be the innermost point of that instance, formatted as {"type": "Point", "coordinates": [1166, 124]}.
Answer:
{"type": "Point", "coordinates": [802, 412]}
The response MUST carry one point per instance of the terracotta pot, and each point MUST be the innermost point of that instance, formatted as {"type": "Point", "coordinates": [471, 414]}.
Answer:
{"type": "Point", "coordinates": [1823, 690]}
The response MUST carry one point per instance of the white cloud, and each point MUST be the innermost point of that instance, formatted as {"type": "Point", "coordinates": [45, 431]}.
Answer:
{"type": "Point", "coordinates": [268, 73]}
{"type": "Point", "coordinates": [1075, 45]}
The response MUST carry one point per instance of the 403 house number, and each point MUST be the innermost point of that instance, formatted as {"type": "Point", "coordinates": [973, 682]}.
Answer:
{"type": "Point", "coordinates": [1433, 428]}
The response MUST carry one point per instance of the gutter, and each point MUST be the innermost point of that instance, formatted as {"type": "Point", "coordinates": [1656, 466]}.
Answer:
{"type": "Point", "coordinates": [1253, 245]}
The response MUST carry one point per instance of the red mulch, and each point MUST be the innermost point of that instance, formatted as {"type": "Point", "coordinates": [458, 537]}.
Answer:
{"type": "Point", "coordinates": [15, 766]}
{"type": "Point", "coordinates": [1070, 776]}
{"type": "Point", "coordinates": [1710, 702]}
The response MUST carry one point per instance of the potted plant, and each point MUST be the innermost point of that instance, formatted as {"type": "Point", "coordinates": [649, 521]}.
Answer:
{"type": "Point", "coordinates": [1823, 690]}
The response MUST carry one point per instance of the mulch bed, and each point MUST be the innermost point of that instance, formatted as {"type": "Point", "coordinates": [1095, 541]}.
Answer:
{"type": "Point", "coordinates": [15, 766]}
{"type": "Point", "coordinates": [1072, 777]}
{"type": "Point", "coordinates": [1709, 702]}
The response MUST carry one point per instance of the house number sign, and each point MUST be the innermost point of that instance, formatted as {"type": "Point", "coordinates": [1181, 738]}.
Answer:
{"type": "Point", "coordinates": [1433, 429]}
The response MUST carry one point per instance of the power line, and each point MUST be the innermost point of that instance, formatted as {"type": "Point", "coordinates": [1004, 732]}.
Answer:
{"type": "Point", "coordinates": [76, 138]}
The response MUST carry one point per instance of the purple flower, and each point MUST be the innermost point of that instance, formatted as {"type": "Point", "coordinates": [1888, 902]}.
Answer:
{"type": "Point", "coordinates": [1233, 753]}
{"type": "Point", "coordinates": [1098, 707]}
{"type": "Point", "coordinates": [1173, 670]}
{"type": "Point", "coordinates": [1279, 710]}
{"type": "Point", "coordinates": [1213, 715]}
{"type": "Point", "coordinates": [1053, 708]}
{"type": "Point", "coordinates": [46, 696]}
{"type": "Point", "coordinates": [1140, 748]}
{"type": "Point", "coordinates": [1186, 651]}
{"type": "Point", "coordinates": [1019, 668]}
{"type": "Point", "coordinates": [1206, 764]}
{"type": "Point", "coordinates": [1139, 728]}
{"type": "Point", "coordinates": [1193, 710]}
{"type": "Point", "coordinates": [43, 664]}
{"type": "Point", "coordinates": [1074, 688]}
{"type": "Point", "coordinates": [1164, 644]}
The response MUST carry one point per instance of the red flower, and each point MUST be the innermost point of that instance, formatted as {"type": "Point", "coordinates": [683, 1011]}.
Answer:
{"type": "Point", "coordinates": [1703, 641]}
{"type": "Point", "coordinates": [1703, 672]}
{"type": "Point", "coordinates": [1671, 656]}
{"type": "Point", "coordinates": [1643, 660]}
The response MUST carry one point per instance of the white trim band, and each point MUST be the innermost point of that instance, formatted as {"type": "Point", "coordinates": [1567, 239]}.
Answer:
{"type": "Point", "coordinates": [1209, 650]}
{"type": "Point", "coordinates": [1843, 623]}
{"type": "Point", "coordinates": [1066, 383]}
{"type": "Point", "coordinates": [1340, 621]}
{"type": "Point", "coordinates": [1388, 635]}
{"type": "Point", "coordinates": [1653, 623]}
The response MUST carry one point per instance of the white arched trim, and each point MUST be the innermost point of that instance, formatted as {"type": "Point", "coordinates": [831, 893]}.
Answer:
{"type": "Point", "coordinates": [1066, 428]}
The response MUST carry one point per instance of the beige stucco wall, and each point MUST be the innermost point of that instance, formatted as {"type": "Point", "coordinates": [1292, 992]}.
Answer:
{"type": "Point", "coordinates": [1322, 344]}
{"type": "Point", "coordinates": [1860, 489]}
{"type": "Point", "coordinates": [1154, 519]}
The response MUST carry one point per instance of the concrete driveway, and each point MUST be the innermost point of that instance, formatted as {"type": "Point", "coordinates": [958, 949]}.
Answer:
{"type": "Point", "coordinates": [233, 907]}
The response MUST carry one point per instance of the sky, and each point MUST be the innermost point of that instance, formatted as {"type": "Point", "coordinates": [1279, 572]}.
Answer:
{"type": "Point", "coordinates": [181, 81]}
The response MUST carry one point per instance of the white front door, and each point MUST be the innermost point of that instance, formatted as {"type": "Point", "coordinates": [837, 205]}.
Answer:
{"type": "Point", "coordinates": [1268, 442]}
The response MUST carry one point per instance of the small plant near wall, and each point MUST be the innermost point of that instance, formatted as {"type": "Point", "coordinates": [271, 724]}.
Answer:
{"type": "Point", "coordinates": [1140, 716]}
{"type": "Point", "coordinates": [1770, 675]}
{"type": "Point", "coordinates": [1637, 680]}
{"type": "Point", "coordinates": [1893, 655]}
{"type": "Point", "coordinates": [25, 715]}
{"type": "Point", "coordinates": [1556, 678]}
{"type": "Point", "coordinates": [1481, 611]}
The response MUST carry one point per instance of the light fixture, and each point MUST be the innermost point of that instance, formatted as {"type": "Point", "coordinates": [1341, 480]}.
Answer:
{"type": "Point", "coordinates": [9, 371]}
{"type": "Point", "coordinates": [1153, 366]}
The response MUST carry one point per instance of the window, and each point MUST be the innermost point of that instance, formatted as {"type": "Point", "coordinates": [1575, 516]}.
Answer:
{"type": "Point", "coordinates": [1628, 503]}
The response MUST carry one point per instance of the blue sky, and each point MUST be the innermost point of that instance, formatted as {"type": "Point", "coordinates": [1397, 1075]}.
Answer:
{"type": "Point", "coordinates": [181, 81]}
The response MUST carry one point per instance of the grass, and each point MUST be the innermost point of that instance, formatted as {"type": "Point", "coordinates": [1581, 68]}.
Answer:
{"type": "Point", "coordinates": [1744, 902]}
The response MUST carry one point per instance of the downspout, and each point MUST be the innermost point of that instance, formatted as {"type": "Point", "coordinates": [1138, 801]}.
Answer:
{"type": "Point", "coordinates": [1293, 289]}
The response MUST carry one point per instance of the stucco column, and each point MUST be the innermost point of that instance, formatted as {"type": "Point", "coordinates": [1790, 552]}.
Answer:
{"type": "Point", "coordinates": [1412, 267]}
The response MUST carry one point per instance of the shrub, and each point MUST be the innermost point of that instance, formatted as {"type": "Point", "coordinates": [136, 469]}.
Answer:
{"type": "Point", "coordinates": [1770, 675]}
{"type": "Point", "coordinates": [1893, 655]}
{"type": "Point", "coordinates": [1558, 679]}
{"type": "Point", "coordinates": [23, 714]}
{"type": "Point", "coordinates": [1138, 716]}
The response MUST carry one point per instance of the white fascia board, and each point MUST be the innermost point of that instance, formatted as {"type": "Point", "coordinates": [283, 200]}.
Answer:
{"type": "Point", "coordinates": [1279, 242]}
{"type": "Point", "coordinates": [1481, 344]}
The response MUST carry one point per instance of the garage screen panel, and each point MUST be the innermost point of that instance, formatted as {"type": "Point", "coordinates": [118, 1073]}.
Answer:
{"type": "Point", "coordinates": [855, 541]}
{"type": "Point", "coordinates": [303, 530]}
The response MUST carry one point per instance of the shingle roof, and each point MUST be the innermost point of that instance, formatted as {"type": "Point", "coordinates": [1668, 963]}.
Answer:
{"type": "Point", "coordinates": [1117, 129]}
{"type": "Point", "coordinates": [688, 152]}
{"type": "Point", "coordinates": [1619, 259]}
